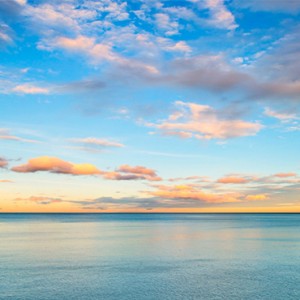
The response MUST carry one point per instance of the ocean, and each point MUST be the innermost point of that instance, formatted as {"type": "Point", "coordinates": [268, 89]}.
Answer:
{"type": "Point", "coordinates": [149, 256]}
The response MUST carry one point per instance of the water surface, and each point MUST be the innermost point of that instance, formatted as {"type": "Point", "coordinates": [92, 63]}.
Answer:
{"type": "Point", "coordinates": [149, 256]}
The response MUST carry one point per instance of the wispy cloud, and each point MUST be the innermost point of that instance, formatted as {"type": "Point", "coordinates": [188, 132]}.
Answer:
{"type": "Point", "coordinates": [6, 135]}
{"type": "Point", "coordinates": [92, 144]}
{"type": "Point", "coordinates": [40, 200]}
{"type": "Point", "coordinates": [282, 116]}
{"type": "Point", "coordinates": [6, 35]}
{"type": "Point", "coordinates": [5, 181]}
{"type": "Point", "coordinates": [285, 175]}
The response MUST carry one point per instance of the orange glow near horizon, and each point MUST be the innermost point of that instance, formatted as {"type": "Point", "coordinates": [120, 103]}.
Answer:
{"type": "Point", "coordinates": [64, 208]}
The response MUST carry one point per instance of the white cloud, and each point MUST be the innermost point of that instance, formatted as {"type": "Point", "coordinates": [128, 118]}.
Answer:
{"type": "Point", "coordinates": [164, 22]}
{"type": "Point", "coordinates": [221, 17]}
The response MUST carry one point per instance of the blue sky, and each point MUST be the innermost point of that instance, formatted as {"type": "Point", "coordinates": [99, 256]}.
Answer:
{"type": "Point", "coordinates": [149, 105]}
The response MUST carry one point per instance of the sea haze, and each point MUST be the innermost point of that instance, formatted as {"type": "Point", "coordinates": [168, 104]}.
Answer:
{"type": "Point", "coordinates": [149, 256]}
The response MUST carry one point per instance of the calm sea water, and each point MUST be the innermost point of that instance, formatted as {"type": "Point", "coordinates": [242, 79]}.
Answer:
{"type": "Point", "coordinates": [149, 256]}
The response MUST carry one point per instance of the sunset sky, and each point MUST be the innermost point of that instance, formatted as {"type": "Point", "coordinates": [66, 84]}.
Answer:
{"type": "Point", "coordinates": [149, 106]}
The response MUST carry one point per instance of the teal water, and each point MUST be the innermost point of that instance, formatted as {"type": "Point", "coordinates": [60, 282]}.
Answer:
{"type": "Point", "coordinates": [149, 256]}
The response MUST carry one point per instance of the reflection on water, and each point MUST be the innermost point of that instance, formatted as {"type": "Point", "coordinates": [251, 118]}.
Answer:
{"type": "Point", "coordinates": [149, 256]}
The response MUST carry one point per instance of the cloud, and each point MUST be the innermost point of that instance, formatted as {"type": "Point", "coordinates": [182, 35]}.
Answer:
{"type": "Point", "coordinates": [204, 122]}
{"type": "Point", "coordinates": [3, 162]}
{"type": "Point", "coordinates": [214, 73]}
{"type": "Point", "coordinates": [221, 17]}
{"type": "Point", "coordinates": [203, 194]}
{"type": "Point", "coordinates": [98, 52]}
{"type": "Point", "coordinates": [217, 74]}
{"type": "Point", "coordinates": [40, 200]}
{"type": "Point", "coordinates": [292, 7]}
{"type": "Point", "coordinates": [126, 172]}
{"type": "Point", "coordinates": [5, 135]}
{"type": "Point", "coordinates": [93, 29]}
{"type": "Point", "coordinates": [190, 192]}
{"type": "Point", "coordinates": [13, 81]}
{"type": "Point", "coordinates": [164, 22]}
{"type": "Point", "coordinates": [206, 13]}
{"type": "Point", "coordinates": [147, 203]}
{"type": "Point", "coordinates": [278, 65]}
{"type": "Point", "coordinates": [196, 178]}
{"type": "Point", "coordinates": [275, 179]}
{"type": "Point", "coordinates": [180, 46]}
{"type": "Point", "coordinates": [61, 17]}
{"type": "Point", "coordinates": [132, 51]}
{"type": "Point", "coordinates": [137, 170]}
{"type": "Point", "coordinates": [103, 203]}
{"type": "Point", "coordinates": [6, 35]}
{"type": "Point", "coordinates": [257, 197]}
{"type": "Point", "coordinates": [285, 175]}
{"type": "Point", "coordinates": [283, 117]}
{"type": "Point", "coordinates": [85, 28]}
{"type": "Point", "coordinates": [59, 166]}
{"type": "Point", "coordinates": [232, 180]}
{"type": "Point", "coordinates": [96, 143]}
{"type": "Point", "coordinates": [11, 8]}
{"type": "Point", "coordinates": [290, 120]}
{"type": "Point", "coordinates": [30, 89]}
{"type": "Point", "coordinates": [9, 12]}
{"type": "Point", "coordinates": [85, 85]}
{"type": "Point", "coordinates": [5, 181]}
{"type": "Point", "coordinates": [210, 72]}
{"type": "Point", "coordinates": [56, 165]}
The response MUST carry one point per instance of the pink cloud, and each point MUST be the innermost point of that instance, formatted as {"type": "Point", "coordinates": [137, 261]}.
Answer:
{"type": "Point", "coordinates": [205, 123]}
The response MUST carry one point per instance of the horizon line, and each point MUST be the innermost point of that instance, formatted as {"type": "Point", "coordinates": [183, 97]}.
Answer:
{"type": "Point", "coordinates": [147, 213]}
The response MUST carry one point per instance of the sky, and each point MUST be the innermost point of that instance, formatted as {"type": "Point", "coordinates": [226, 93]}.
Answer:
{"type": "Point", "coordinates": [149, 106]}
